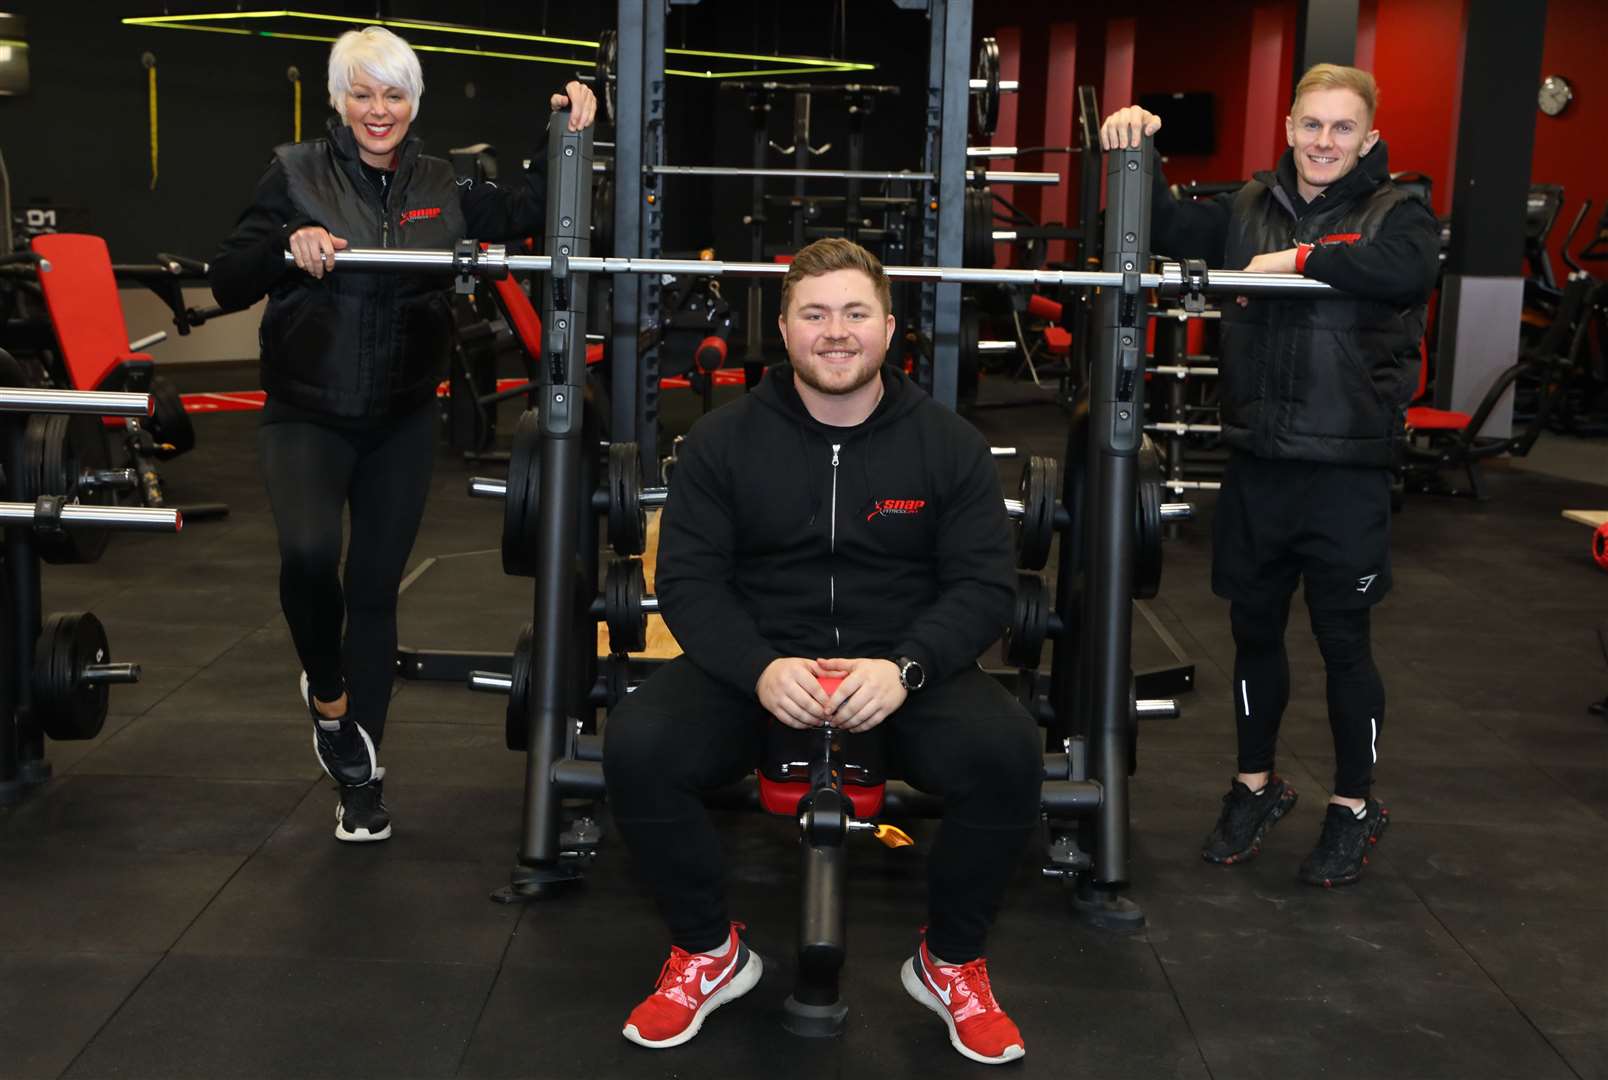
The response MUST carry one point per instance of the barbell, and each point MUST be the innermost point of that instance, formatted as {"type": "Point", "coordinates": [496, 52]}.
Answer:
{"type": "Point", "coordinates": [71, 673]}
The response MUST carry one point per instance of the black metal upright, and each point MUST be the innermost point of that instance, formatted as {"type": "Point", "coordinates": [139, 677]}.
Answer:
{"type": "Point", "coordinates": [627, 318]}
{"type": "Point", "coordinates": [943, 233]}
{"type": "Point", "coordinates": [1116, 426]}
{"type": "Point", "coordinates": [651, 243]}
{"type": "Point", "coordinates": [561, 406]}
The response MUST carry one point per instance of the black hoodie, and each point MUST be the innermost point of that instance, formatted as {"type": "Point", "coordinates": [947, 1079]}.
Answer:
{"type": "Point", "coordinates": [784, 536]}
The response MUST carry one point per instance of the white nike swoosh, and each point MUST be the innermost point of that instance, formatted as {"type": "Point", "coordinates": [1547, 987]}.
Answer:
{"type": "Point", "coordinates": [706, 984]}
{"type": "Point", "coordinates": [943, 994]}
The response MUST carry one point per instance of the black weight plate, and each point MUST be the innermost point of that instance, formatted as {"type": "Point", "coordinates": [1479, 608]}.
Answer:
{"type": "Point", "coordinates": [64, 708]}
{"type": "Point", "coordinates": [628, 521]}
{"type": "Point", "coordinates": [985, 102]}
{"type": "Point", "coordinates": [1147, 523]}
{"type": "Point", "coordinates": [605, 70]}
{"type": "Point", "coordinates": [977, 233]}
{"type": "Point", "coordinates": [1024, 640]}
{"type": "Point", "coordinates": [1037, 528]}
{"type": "Point", "coordinates": [71, 446]}
{"type": "Point", "coordinates": [170, 424]}
{"type": "Point", "coordinates": [623, 589]}
{"type": "Point", "coordinates": [524, 497]}
{"type": "Point", "coordinates": [969, 372]}
{"type": "Point", "coordinates": [516, 723]}
{"type": "Point", "coordinates": [603, 216]}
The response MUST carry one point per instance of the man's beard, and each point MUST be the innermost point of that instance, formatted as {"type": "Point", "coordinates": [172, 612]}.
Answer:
{"type": "Point", "coordinates": [806, 373]}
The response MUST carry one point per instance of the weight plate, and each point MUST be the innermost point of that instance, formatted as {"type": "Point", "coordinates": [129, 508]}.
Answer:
{"type": "Point", "coordinates": [628, 521]}
{"type": "Point", "coordinates": [969, 372]}
{"type": "Point", "coordinates": [516, 720]}
{"type": "Point", "coordinates": [605, 70]}
{"type": "Point", "coordinates": [523, 499]}
{"type": "Point", "coordinates": [977, 235]}
{"type": "Point", "coordinates": [624, 587]}
{"type": "Point", "coordinates": [1037, 528]}
{"type": "Point", "coordinates": [60, 450]}
{"type": "Point", "coordinates": [170, 424]}
{"type": "Point", "coordinates": [985, 102]}
{"type": "Point", "coordinates": [64, 706]}
{"type": "Point", "coordinates": [1024, 638]}
{"type": "Point", "coordinates": [1147, 523]}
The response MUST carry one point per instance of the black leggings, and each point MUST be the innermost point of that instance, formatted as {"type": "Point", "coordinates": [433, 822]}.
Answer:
{"type": "Point", "coordinates": [313, 473]}
{"type": "Point", "coordinates": [684, 732]}
{"type": "Point", "coordinates": [1262, 688]}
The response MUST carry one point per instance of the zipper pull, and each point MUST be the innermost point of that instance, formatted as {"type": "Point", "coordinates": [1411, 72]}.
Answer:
{"type": "Point", "coordinates": [835, 448]}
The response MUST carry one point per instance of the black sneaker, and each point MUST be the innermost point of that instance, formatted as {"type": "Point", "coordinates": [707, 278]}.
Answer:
{"type": "Point", "coordinates": [1343, 846]}
{"type": "Point", "coordinates": [361, 816]}
{"type": "Point", "coordinates": [1245, 820]}
{"type": "Point", "coordinates": [343, 748]}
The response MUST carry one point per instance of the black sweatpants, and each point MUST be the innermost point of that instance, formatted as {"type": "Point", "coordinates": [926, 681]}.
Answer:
{"type": "Point", "coordinates": [314, 472]}
{"type": "Point", "coordinates": [1279, 523]}
{"type": "Point", "coordinates": [683, 732]}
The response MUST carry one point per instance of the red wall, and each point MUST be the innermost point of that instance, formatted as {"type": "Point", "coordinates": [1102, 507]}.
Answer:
{"type": "Point", "coordinates": [1572, 148]}
{"type": "Point", "coordinates": [1418, 62]}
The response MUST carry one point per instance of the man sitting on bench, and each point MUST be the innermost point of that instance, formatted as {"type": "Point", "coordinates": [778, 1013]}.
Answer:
{"type": "Point", "coordinates": [836, 521]}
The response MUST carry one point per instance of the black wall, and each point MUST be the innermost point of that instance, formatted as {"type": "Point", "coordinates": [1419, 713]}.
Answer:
{"type": "Point", "coordinates": [80, 138]}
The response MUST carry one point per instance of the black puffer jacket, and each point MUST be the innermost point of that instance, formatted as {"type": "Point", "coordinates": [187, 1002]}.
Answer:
{"type": "Point", "coordinates": [785, 537]}
{"type": "Point", "coordinates": [1317, 380]}
{"type": "Point", "coordinates": [360, 344]}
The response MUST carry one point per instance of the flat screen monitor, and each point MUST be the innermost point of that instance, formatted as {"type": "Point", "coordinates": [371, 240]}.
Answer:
{"type": "Point", "coordinates": [1188, 122]}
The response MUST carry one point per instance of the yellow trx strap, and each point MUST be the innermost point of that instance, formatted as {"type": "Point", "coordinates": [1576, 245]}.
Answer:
{"type": "Point", "coordinates": [149, 60]}
{"type": "Point", "coordinates": [294, 75]}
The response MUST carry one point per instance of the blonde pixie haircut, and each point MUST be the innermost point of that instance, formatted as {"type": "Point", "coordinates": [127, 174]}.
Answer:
{"type": "Point", "coordinates": [379, 54]}
{"type": "Point", "coordinates": [1336, 77]}
{"type": "Point", "coordinates": [835, 253]}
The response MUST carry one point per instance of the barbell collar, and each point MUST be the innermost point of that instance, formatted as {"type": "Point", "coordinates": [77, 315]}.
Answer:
{"type": "Point", "coordinates": [1177, 511]}
{"type": "Point", "coordinates": [117, 518]}
{"type": "Point", "coordinates": [654, 496]}
{"type": "Point", "coordinates": [75, 402]}
{"type": "Point", "coordinates": [491, 682]}
{"type": "Point", "coordinates": [96, 674]}
{"type": "Point", "coordinates": [487, 487]}
{"type": "Point", "coordinates": [1154, 708]}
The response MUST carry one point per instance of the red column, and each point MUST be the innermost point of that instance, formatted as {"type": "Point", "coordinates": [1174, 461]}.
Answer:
{"type": "Point", "coordinates": [1264, 93]}
{"type": "Point", "coordinates": [1060, 120]}
{"type": "Point", "coordinates": [1118, 89]}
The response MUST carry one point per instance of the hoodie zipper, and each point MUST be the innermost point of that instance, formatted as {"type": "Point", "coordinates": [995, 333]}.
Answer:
{"type": "Point", "coordinates": [837, 633]}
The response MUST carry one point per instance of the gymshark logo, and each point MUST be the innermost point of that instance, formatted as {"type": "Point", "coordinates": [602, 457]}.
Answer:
{"type": "Point", "coordinates": [707, 984]}
{"type": "Point", "coordinates": [1365, 582]}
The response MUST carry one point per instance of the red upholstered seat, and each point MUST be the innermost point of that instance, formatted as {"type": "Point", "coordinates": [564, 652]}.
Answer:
{"type": "Point", "coordinates": [527, 323]}
{"type": "Point", "coordinates": [1057, 340]}
{"type": "Point", "coordinates": [1424, 418]}
{"type": "Point", "coordinates": [81, 296]}
{"type": "Point", "coordinates": [783, 797]}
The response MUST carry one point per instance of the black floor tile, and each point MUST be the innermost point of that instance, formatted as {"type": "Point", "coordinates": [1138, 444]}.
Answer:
{"type": "Point", "coordinates": [445, 703]}
{"type": "Point", "coordinates": [62, 756]}
{"type": "Point", "coordinates": [1587, 1055]}
{"type": "Point", "coordinates": [454, 755]}
{"type": "Point", "coordinates": [257, 678]}
{"type": "Point", "coordinates": [359, 902]}
{"type": "Point", "coordinates": [53, 1005]}
{"type": "Point", "coordinates": [127, 813]}
{"type": "Point", "coordinates": [60, 901]}
{"type": "Point", "coordinates": [1400, 1028]}
{"type": "Point", "coordinates": [157, 681]}
{"type": "Point", "coordinates": [428, 821]}
{"type": "Point", "coordinates": [268, 1017]}
{"type": "Point", "coordinates": [213, 747]}
{"type": "Point", "coordinates": [1512, 794]}
{"type": "Point", "coordinates": [1457, 864]}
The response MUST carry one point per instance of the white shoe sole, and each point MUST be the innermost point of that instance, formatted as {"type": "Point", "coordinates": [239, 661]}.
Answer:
{"type": "Point", "coordinates": [359, 836]}
{"type": "Point", "coordinates": [918, 990]}
{"type": "Point", "coordinates": [742, 982]}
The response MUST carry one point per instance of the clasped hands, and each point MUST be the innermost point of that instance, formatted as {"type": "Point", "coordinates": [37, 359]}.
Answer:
{"type": "Point", "coordinates": [790, 690]}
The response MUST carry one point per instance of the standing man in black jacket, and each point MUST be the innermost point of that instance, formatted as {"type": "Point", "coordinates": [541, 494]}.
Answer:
{"type": "Point", "coordinates": [837, 521]}
{"type": "Point", "coordinates": [350, 362]}
{"type": "Point", "coordinates": [1313, 399]}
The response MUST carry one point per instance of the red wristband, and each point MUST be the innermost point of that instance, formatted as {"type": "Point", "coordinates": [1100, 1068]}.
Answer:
{"type": "Point", "coordinates": [1301, 253]}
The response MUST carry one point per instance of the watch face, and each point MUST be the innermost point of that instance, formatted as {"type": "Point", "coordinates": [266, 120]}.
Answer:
{"type": "Point", "coordinates": [1554, 95]}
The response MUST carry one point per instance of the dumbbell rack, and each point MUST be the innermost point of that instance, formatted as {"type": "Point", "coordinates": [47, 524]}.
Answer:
{"type": "Point", "coordinates": [57, 671]}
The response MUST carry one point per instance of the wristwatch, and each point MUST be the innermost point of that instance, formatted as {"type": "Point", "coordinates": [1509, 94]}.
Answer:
{"type": "Point", "coordinates": [912, 676]}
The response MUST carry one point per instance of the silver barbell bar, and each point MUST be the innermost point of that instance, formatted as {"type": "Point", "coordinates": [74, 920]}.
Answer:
{"type": "Point", "coordinates": [74, 402]}
{"type": "Point", "coordinates": [121, 518]}
{"type": "Point", "coordinates": [1006, 86]}
{"type": "Point", "coordinates": [1184, 429]}
{"type": "Point", "coordinates": [495, 260]}
{"type": "Point", "coordinates": [1183, 371]}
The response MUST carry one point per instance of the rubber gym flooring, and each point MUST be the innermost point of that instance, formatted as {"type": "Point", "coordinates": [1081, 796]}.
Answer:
{"type": "Point", "coordinates": [173, 904]}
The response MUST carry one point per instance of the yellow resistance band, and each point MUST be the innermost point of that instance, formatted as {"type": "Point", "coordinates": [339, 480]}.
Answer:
{"type": "Point", "coordinates": [298, 111]}
{"type": "Point", "coordinates": [150, 65]}
{"type": "Point", "coordinates": [293, 73]}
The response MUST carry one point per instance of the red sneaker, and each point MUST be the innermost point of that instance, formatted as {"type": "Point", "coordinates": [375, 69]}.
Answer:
{"type": "Point", "coordinates": [960, 993]}
{"type": "Point", "coordinates": [691, 986]}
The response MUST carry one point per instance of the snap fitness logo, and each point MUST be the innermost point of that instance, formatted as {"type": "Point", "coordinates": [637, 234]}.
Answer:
{"type": "Point", "coordinates": [421, 214]}
{"type": "Point", "coordinates": [887, 507]}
